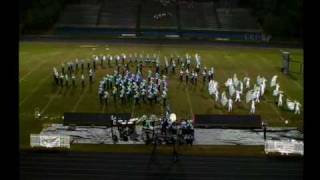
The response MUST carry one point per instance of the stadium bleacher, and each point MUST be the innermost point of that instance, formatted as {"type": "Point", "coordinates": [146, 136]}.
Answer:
{"type": "Point", "coordinates": [152, 8]}
{"type": "Point", "coordinates": [118, 14]}
{"type": "Point", "coordinates": [152, 18]}
{"type": "Point", "coordinates": [236, 18]}
{"type": "Point", "coordinates": [85, 14]}
{"type": "Point", "coordinates": [198, 16]}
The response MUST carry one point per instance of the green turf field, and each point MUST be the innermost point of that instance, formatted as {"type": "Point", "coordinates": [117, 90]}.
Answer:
{"type": "Point", "coordinates": [37, 88]}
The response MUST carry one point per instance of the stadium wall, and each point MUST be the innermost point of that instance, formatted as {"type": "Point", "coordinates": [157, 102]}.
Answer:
{"type": "Point", "coordinates": [249, 35]}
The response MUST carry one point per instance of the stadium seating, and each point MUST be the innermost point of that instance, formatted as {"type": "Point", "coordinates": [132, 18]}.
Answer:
{"type": "Point", "coordinates": [118, 14]}
{"type": "Point", "coordinates": [104, 16]}
{"type": "Point", "coordinates": [151, 8]}
{"type": "Point", "coordinates": [198, 16]}
{"type": "Point", "coordinates": [236, 18]}
{"type": "Point", "coordinates": [79, 15]}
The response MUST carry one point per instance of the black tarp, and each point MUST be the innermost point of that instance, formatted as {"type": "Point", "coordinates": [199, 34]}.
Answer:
{"type": "Point", "coordinates": [97, 119]}
{"type": "Point", "coordinates": [227, 121]}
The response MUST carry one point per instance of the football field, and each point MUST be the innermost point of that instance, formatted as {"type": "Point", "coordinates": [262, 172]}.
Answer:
{"type": "Point", "coordinates": [38, 90]}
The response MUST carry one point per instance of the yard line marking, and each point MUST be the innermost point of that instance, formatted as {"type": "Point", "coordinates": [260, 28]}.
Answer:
{"type": "Point", "coordinates": [50, 101]}
{"type": "Point", "coordinates": [277, 111]}
{"type": "Point", "coordinates": [189, 101]}
{"type": "Point", "coordinates": [37, 67]}
{"type": "Point", "coordinates": [80, 99]}
{"type": "Point", "coordinates": [34, 90]}
{"type": "Point", "coordinates": [30, 72]}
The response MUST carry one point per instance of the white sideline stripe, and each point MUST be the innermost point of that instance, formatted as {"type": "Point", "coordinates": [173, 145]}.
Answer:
{"type": "Point", "coordinates": [222, 39]}
{"type": "Point", "coordinates": [172, 36]}
{"type": "Point", "coordinates": [128, 35]}
{"type": "Point", "coordinates": [88, 46]}
{"type": "Point", "coordinates": [276, 110]}
{"type": "Point", "coordinates": [80, 99]}
{"type": "Point", "coordinates": [34, 90]}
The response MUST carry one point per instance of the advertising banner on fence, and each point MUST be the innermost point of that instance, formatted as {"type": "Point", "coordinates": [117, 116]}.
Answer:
{"type": "Point", "coordinates": [284, 147]}
{"type": "Point", "coordinates": [49, 141]}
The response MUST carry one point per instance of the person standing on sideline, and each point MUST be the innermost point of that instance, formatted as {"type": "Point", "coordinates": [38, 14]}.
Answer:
{"type": "Point", "coordinates": [264, 126]}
